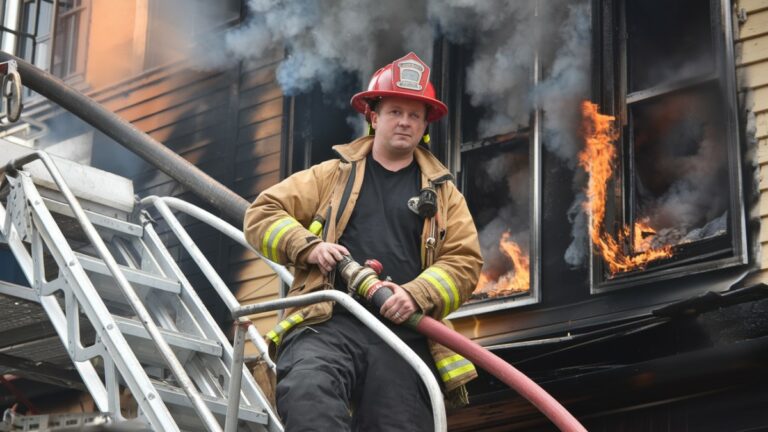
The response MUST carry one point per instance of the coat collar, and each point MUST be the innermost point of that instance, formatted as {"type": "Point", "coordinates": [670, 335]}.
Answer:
{"type": "Point", "coordinates": [428, 163]}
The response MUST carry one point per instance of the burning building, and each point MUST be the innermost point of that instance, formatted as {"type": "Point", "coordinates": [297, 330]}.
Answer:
{"type": "Point", "coordinates": [612, 154]}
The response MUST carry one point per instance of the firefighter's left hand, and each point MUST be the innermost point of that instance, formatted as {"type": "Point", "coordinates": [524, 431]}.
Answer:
{"type": "Point", "coordinates": [400, 306]}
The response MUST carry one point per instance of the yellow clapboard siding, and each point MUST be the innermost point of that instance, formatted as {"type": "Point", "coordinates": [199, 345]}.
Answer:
{"type": "Point", "coordinates": [754, 50]}
{"type": "Point", "coordinates": [763, 258]}
{"type": "Point", "coordinates": [756, 25]}
{"type": "Point", "coordinates": [756, 74]}
{"type": "Point", "coordinates": [752, 5]}
{"type": "Point", "coordinates": [762, 151]}
{"type": "Point", "coordinates": [762, 125]}
{"type": "Point", "coordinates": [162, 83]}
{"type": "Point", "coordinates": [764, 177]}
{"type": "Point", "coordinates": [761, 100]}
{"type": "Point", "coordinates": [261, 112]}
{"type": "Point", "coordinates": [762, 208]}
{"type": "Point", "coordinates": [763, 219]}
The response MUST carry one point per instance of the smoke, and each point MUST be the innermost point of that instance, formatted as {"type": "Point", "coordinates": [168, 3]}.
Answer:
{"type": "Point", "coordinates": [327, 38]}
{"type": "Point", "coordinates": [578, 251]}
{"type": "Point", "coordinates": [500, 74]}
{"type": "Point", "coordinates": [682, 173]}
{"type": "Point", "coordinates": [562, 90]}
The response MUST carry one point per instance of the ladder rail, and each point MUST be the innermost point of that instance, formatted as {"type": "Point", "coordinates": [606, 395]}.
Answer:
{"type": "Point", "coordinates": [133, 299]}
{"type": "Point", "coordinates": [157, 412]}
{"type": "Point", "coordinates": [163, 205]}
{"type": "Point", "coordinates": [50, 305]}
{"type": "Point", "coordinates": [167, 263]}
{"type": "Point", "coordinates": [222, 226]}
{"type": "Point", "coordinates": [220, 287]}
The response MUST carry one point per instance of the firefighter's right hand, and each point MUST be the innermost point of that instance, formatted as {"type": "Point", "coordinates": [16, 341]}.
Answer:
{"type": "Point", "coordinates": [326, 255]}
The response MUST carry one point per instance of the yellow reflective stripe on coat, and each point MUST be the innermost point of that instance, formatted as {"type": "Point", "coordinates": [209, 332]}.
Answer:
{"type": "Point", "coordinates": [445, 285]}
{"type": "Point", "coordinates": [316, 227]}
{"type": "Point", "coordinates": [283, 326]}
{"type": "Point", "coordinates": [454, 366]}
{"type": "Point", "coordinates": [273, 235]}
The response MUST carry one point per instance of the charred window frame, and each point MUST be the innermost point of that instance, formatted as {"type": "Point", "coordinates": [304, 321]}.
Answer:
{"type": "Point", "coordinates": [629, 56]}
{"type": "Point", "coordinates": [464, 152]}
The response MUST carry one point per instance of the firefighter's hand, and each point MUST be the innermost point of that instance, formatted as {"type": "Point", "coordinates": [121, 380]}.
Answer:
{"type": "Point", "coordinates": [400, 306]}
{"type": "Point", "coordinates": [326, 255]}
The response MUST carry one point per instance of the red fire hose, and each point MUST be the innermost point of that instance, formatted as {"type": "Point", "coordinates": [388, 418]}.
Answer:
{"type": "Point", "coordinates": [364, 281]}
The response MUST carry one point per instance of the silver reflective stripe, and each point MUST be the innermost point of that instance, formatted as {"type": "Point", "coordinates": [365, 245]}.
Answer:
{"type": "Point", "coordinates": [276, 230]}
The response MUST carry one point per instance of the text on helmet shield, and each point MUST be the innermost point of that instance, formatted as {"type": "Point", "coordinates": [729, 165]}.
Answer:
{"type": "Point", "coordinates": [410, 75]}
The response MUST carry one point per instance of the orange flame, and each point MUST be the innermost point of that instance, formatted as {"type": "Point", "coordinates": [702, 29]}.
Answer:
{"type": "Point", "coordinates": [597, 160]}
{"type": "Point", "coordinates": [515, 280]}
{"type": "Point", "coordinates": [644, 235]}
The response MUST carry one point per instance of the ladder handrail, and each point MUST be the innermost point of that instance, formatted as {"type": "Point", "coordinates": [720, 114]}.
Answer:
{"type": "Point", "coordinates": [238, 311]}
{"type": "Point", "coordinates": [370, 321]}
{"type": "Point", "coordinates": [162, 204]}
{"type": "Point", "coordinates": [220, 224]}
{"type": "Point", "coordinates": [133, 299]}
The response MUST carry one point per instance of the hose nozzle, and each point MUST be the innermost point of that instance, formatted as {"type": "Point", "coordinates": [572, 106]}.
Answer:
{"type": "Point", "coordinates": [364, 281]}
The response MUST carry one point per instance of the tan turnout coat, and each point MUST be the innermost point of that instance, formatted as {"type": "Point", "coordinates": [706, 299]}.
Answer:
{"type": "Point", "coordinates": [287, 219]}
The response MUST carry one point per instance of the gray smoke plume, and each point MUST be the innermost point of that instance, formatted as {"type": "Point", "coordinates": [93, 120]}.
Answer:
{"type": "Point", "coordinates": [566, 85]}
{"type": "Point", "coordinates": [578, 251]}
{"type": "Point", "coordinates": [327, 38]}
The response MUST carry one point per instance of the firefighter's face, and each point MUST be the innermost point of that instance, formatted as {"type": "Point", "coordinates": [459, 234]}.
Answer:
{"type": "Point", "coordinates": [400, 124]}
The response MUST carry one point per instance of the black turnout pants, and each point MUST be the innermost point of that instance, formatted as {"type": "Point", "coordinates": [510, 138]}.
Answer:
{"type": "Point", "coordinates": [339, 376]}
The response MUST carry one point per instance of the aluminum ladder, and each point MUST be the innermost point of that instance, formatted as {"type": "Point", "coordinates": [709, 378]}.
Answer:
{"type": "Point", "coordinates": [124, 311]}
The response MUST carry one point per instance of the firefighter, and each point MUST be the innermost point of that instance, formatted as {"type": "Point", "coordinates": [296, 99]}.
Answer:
{"type": "Point", "coordinates": [385, 197]}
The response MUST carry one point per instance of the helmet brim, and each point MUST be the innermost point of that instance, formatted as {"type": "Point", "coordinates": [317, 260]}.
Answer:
{"type": "Point", "coordinates": [436, 111]}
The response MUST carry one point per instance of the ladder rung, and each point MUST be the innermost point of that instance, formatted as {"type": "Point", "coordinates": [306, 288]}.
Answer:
{"type": "Point", "coordinates": [138, 277]}
{"type": "Point", "coordinates": [187, 342]}
{"type": "Point", "coordinates": [100, 220]}
{"type": "Point", "coordinates": [175, 396]}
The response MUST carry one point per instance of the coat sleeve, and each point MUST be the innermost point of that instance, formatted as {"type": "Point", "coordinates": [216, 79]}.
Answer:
{"type": "Point", "coordinates": [446, 284]}
{"type": "Point", "coordinates": [277, 222]}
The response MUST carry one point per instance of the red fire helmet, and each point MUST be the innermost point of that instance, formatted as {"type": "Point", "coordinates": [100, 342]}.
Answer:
{"type": "Point", "coordinates": [406, 77]}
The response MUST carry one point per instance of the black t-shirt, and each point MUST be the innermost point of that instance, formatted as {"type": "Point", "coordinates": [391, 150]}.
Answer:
{"type": "Point", "coordinates": [382, 227]}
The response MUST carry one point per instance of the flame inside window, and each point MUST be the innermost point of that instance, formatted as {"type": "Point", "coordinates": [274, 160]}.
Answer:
{"type": "Point", "coordinates": [497, 188]}
{"type": "Point", "coordinates": [515, 280]}
{"type": "Point", "coordinates": [597, 159]}
{"type": "Point", "coordinates": [679, 176]}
